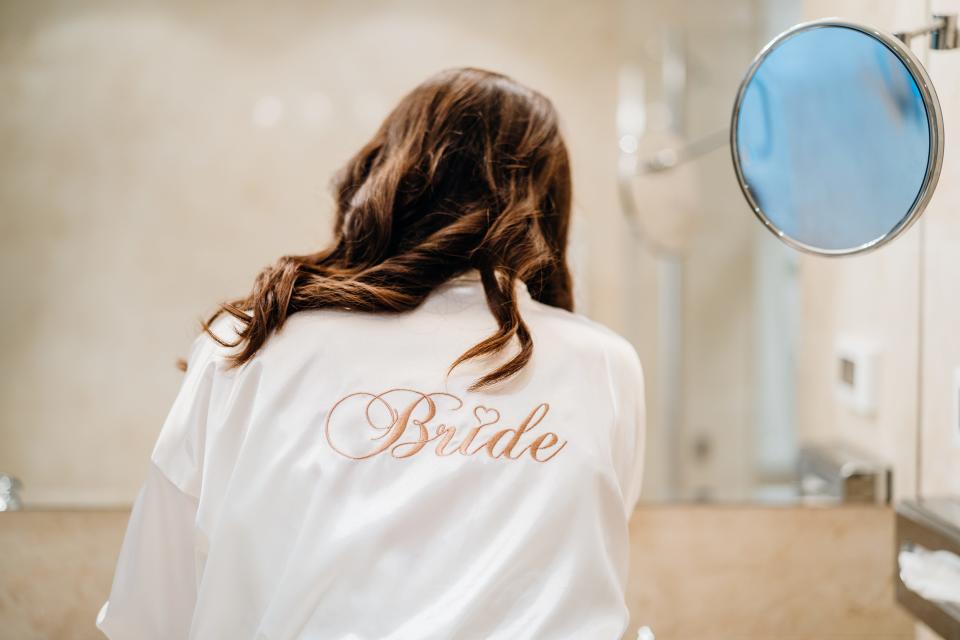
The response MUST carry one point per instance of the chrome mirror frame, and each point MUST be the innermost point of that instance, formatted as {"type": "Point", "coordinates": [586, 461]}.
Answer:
{"type": "Point", "coordinates": [934, 121]}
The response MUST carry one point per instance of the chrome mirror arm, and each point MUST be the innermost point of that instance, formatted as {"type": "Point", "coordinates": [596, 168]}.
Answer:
{"type": "Point", "coordinates": [943, 32]}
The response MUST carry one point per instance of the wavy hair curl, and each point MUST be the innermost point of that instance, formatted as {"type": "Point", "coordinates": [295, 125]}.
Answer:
{"type": "Point", "coordinates": [469, 170]}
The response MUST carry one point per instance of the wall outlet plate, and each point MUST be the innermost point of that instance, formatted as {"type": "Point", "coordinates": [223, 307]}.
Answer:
{"type": "Point", "coordinates": [855, 374]}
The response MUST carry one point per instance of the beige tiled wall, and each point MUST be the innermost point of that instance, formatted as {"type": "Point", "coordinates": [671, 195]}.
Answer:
{"type": "Point", "coordinates": [902, 297]}
{"type": "Point", "coordinates": [940, 441]}
{"type": "Point", "coordinates": [696, 211]}
{"type": "Point", "coordinates": [873, 298]}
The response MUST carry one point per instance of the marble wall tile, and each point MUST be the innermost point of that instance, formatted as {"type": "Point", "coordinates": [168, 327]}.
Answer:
{"type": "Point", "coordinates": [753, 573]}
{"type": "Point", "coordinates": [725, 573]}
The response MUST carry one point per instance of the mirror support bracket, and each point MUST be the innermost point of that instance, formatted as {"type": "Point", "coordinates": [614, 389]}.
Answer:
{"type": "Point", "coordinates": [943, 32]}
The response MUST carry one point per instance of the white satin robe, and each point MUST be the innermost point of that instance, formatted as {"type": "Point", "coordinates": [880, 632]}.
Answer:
{"type": "Point", "coordinates": [342, 486]}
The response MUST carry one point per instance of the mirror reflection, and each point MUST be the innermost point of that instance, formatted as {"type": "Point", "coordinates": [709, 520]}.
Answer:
{"type": "Point", "coordinates": [833, 138]}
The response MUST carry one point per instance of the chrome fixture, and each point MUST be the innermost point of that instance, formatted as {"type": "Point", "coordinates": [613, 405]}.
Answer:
{"type": "Point", "coordinates": [838, 474]}
{"type": "Point", "coordinates": [943, 32]}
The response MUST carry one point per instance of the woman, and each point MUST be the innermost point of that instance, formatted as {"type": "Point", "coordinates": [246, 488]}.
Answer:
{"type": "Point", "coordinates": [408, 434]}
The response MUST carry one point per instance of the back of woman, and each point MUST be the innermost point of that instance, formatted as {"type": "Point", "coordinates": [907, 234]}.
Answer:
{"type": "Point", "coordinates": [409, 434]}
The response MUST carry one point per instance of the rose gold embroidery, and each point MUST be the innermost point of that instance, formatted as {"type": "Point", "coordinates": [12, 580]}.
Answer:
{"type": "Point", "coordinates": [532, 420]}
{"type": "Point", "coordinates": [394, 413]}
{"type": "Point", "coordinates": [536, 445]}
{"type": "Point", "coordinates": [447, 434]}
{"type": "Point", "coordinates": [482, 413]}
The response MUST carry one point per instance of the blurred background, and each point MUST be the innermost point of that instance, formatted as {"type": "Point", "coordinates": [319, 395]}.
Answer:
{"type": "Point", "coordinates": [156, 155]}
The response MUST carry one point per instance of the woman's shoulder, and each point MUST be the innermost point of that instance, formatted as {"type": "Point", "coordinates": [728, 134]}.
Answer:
{"type": "Point", "coordinates": [580, 330]}
{"type": "Point", "coordinates": [214, 341]}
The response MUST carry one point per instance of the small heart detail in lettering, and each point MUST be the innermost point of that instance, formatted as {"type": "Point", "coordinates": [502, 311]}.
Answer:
{"type": "Point", "coordinates": [484, 415]}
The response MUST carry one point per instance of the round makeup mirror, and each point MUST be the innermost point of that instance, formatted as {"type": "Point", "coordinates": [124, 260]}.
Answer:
{"type": "Point", "coordinates": [837, 137]}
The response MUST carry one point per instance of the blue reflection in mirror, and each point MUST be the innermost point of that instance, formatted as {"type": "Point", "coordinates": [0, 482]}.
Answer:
{"type": "Point", "coordinates": [833, 138]}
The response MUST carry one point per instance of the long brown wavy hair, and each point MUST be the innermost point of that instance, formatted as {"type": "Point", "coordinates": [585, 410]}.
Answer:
{"type": "Point", "coordinates": [469, 170]}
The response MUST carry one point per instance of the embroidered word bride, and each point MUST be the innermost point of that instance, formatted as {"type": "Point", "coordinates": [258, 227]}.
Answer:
{"type": "Point", "coordinates": [404, 422]}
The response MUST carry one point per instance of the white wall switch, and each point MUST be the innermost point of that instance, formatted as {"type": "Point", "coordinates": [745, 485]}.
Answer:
{"type": "Point", "coordinates": [855, 374]}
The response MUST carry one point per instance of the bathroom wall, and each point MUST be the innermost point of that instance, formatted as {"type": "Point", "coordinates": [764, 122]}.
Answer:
{"type": "Point", "coordinates": [899, 298]}
{"type": "Point", "coordinates": [686, 61]}
{"type": "Point", "coordinates": [872, 298]}
{"type": "Point", "coordinates": [157, 155]}
{"type": "Point", "coordinates": [903, 298]}
{"type": "Point", "coordinates": [939, 456]}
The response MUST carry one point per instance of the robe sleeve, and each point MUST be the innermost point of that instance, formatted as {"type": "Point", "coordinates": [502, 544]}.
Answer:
{"type": "Point", "coordinates": [634, 411]}
{"type": "Point", "coordinates": [179, 451]}
{"type": "Point", "coordinates": [155, 582]}
{"type": "Point", "coordinates": [631, 428]}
